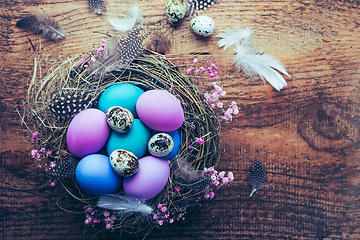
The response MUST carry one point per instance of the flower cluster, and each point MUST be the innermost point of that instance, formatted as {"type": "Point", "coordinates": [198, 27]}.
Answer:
{"type": "Point", "coordinates": [218, 179]}
{"type": "Point", "coordinates": [213, 99]}
{"type": "Point", "coordinates": [90, 58]}
{"type": "Point", "coordinates": [197, 142]}
{"type": "Point", "coordinates": [44, 157]}
{"type": "Point", "coordinates": [163, 215]}
{"type": "Point", "coordinates": [91, 217]}
{"type": "Point", "coordinates": [211, 70]}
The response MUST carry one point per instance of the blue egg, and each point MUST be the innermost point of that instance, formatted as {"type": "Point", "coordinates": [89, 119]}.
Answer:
{"type": "Point", "coordinates": [175, 135]}
{"type": "Point", "coordinates": [135, 140]}
{"type": "Point", "coordinates": [95, 175]}
{"type": "Point", "coordinates": [122, 95]}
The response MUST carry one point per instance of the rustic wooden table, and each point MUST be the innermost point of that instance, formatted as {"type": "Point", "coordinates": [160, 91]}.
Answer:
{"type": "Point", "coordinates": [307, 135]}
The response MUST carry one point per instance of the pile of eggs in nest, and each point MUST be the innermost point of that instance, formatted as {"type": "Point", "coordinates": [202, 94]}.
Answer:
{"type": "Point", "coordinates": [126, 141]}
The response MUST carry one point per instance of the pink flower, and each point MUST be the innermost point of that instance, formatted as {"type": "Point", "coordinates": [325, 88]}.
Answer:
{"type": "Point", "coordinates": [219, 104]}
{"type": "Point", "coordinates": [99, 50]}
{"type": "Point", "coordinates": [113, 217]}
{"type": "Point", "coordinates": [89, 209]}
{"type": "Point", "coordinates": [48, 152]}
{"type": "Point", "coordinates": [212, 74]}
{"type": "Point", "coordinates": [235, 110]}
{"type": "Point", "coordinates": [225, 180]}
{"type": "Point", "coordinates": [161, 222]}
{"type": "Point", "coordinates": [200, 141]}
{"type": "Point", "coordinates": [213, 66]}
{"type": "Point", "coordinates": [189, 70]}
{"type": "Point", "coordinates": [52, 164]}
{"type": "Point", "coordinates": [155, 217]}
{"type": "Point", "coordinates": [35, 154]}
{"type": "Point", "coordinates": [108, 226]}
{"type": "Point", "coordinates": [228, 114]}
{"type": "Point", "coordinates": [163, 209]}
{"type": "Point", "coordinates": [81, 60]}
{"type": "Point", "coordinates": [207, 195]}
{"type": "Point", "coordinates": [177, 189]}
{"type": "Point", "coordinates": [222, 174]}
{"type": "Point", "coordinates": [231, 176]}
{"type": "Point", "coordinates": [166, 216]}
{"type": "Point", "coordinates": [171, 220]}
{"type": "Point", "coordinates": [52, 184]}
{"type": "Point", "coordinates": [86, 66]}
{"type": "Point", "coordinates": [211, 194]}
{"type": "Point", "coordinates": [106, 214]}
{"type": "Point", "coordinates": [196, 60]}
{"type": "Point", "coordinates": [233, 103]}
{"type": "Point", "coordinates": [215, 182]}
{"type": "Point", "coordinates": [35, 135]}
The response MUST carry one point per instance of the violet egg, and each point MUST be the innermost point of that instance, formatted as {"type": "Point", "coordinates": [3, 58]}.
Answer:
{"type": "Point", "coordinates": [87, 133]}
{"type": "Point", "coordinates": [150, 179]}
{"type": "Point", "coordinates": [124, 162]}
{"type": "Point", "coordinates": [160, 145]}
{"type": "Point", "coordinates": [160, 110]}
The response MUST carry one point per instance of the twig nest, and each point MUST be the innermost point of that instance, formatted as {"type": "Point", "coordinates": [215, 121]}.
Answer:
{"type": "Point", "coordinates": [124, 162]}
{"type": "Point", "coordinates": [175, 10]}
{"type": "Point", "coordinates": [119, 119]}
{"type": "Point", "coordinates": [202, 25]}
{"type": "Point", "coordinates": [160, 145]}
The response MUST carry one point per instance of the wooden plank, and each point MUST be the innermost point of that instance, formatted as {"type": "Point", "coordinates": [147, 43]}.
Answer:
{"type": "Point", "coordinates": [307, 135]}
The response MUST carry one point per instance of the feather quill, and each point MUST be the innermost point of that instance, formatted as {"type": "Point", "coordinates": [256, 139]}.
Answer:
{"type": "Point", "coordinates": [124, 25]}
{"type": "Point", "coordinates": [124, 204]}
{"type": "Point", "coordinates": [267, 67]}
{"type": "Point", "coordinates": [120, 53]}
{"type": "Point", "coordinates": [42, 23]}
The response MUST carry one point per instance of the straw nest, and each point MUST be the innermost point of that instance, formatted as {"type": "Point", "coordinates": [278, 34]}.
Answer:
{"type": "Point", "coordinates": [149, 71]}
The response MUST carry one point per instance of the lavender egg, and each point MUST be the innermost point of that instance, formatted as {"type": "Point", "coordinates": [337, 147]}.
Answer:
{"type": "Point", "coordinates": [119, 119]}
{"type": "Point", "coordinates": [160, 145]}
{"type": "Point", "coordinates": [124, 162]}
{"type": "Point", "coordinates": [160, 110]}
{"type": "Point", "coordinates": [150, 179]}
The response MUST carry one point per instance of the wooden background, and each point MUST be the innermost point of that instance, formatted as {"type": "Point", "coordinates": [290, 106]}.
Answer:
{"type": "Point", "coordinates": [307, 135]}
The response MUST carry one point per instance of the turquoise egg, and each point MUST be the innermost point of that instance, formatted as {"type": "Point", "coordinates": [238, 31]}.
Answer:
{"type": "Point", "coordinates": [122, 95]}
{"type": "Point", "coordinates": [135, 140]}
{"type": "Point", "coordinates": [175, 135]}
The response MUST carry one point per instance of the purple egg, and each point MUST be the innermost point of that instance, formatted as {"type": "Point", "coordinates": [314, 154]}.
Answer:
{"type": "Point", "coordinates": [150, 179]}
{"type": "Point", "coordinates": [160, 111]}
{"type": "Point", "coordinates": [87, 133]}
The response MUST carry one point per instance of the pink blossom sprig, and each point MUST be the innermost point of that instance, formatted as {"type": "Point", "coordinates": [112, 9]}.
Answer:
{"type": "Point", "coordinates": [90, 57]}
{"type": "Point", "coordinates": [210, 70]}
{"type": "Point", "coordinates": [163, 214]}
{"type": "Point", "coordinates": [218, 179]}
{"type": "Point", "coordinates": [213, 98]}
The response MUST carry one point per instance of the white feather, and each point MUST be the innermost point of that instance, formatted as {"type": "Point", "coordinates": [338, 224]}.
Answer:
{"type": "Point", "coordinates": [263, 65]}
{"type": "Point", "coordinates": [235, 37]}
{"type": "Point", "coordinates": [123, 203]}
{"type": "Point", "coordinates": [124, 25]}
{"type": "Point", "coordinates": [251, 62]}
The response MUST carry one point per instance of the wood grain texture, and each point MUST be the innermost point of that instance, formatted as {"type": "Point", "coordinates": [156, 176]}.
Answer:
{"type": "Point", "coordinates": [306, 135]}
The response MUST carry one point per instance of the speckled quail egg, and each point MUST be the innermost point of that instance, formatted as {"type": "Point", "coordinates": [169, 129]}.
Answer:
{"type": "Point", "coordinates": [160, 145]}
{"type": "Point", "coordinates": [124, 162]}
{"type": "Point", "coordinates": [119, 119]}
{"type": "Point", "coordinates": [175, 10]}
{"type": "Point", "coordinates": [202, 25]}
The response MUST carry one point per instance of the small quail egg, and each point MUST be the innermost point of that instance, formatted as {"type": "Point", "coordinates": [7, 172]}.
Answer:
{"type": "Point", "coordinates": [124, 162]}
{"type": "Point", "coordinates": [202, 25]}
{"type": "Point", "coordinates": [175, 10]}
{"type": "Point", "coordinates": [160, 145]}
{"type": "Point", "coordinates": [119, 119]}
